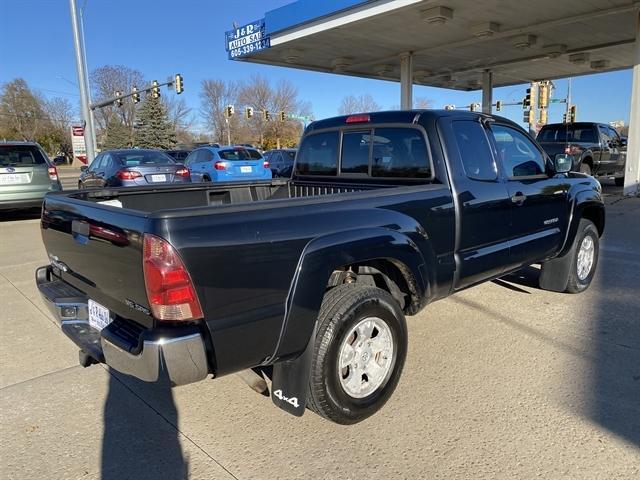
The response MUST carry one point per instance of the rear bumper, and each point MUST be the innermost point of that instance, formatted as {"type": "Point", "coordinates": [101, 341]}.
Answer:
{"type": "Point", "coordinates": [27, 198]}
{"type": "Point", "coordinates": [174, 354]}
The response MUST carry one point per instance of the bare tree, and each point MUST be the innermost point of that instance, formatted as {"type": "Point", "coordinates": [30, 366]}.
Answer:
{"type": "Point", "coordinates": [214, 97]}
{"type": "Point", "coordinates": [358, 104]}
{"type": "Point", "coordinates": [105, 81]}
{"type": "Point", "coordinates": [422, 103]}
{"type": "Point", "coordinates": [21, 111]}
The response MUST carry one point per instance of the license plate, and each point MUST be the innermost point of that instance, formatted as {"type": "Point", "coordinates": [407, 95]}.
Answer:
{"type": "Point", "coordinates": [13, 178]}
{"type": "Point", "coordinates": [245, 169]}
{"type": "Point", "coordinates": [99, 316]}
{"type": "Point", "coordinates": [158, 178]}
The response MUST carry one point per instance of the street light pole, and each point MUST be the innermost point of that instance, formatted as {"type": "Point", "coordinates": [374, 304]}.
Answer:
{"type": "Point", "coordinates": [82, 83]}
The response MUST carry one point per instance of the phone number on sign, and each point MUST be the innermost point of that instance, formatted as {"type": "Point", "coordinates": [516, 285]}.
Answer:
{"type": "Point", "coordinates": [248, 49]}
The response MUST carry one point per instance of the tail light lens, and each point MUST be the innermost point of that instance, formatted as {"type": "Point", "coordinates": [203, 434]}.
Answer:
{"type": "Point", "coordinates": [182, 172]}
{"type": "Point", "coordinates": [362, 118]}
{"type": "Point", "coordinates": [53, 173]}
{"type": "Point", "coordinates": [170, 290]}
{"type": "Point", "coordinates": [128, 174]}
{"type": "Point", "coordinates": [220, 165]}
{"type": "Point", "coordinates": [266, 164]}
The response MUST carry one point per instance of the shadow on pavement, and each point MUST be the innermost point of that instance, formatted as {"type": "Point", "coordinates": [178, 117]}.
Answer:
{"type": "Point", "coordinates": [16, 215]}
{"type": "Point", "coordinates": [139, 442]}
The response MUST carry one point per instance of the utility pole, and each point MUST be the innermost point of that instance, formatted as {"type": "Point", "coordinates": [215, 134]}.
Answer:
{"type": "Point", "coordinates": [82, 83]}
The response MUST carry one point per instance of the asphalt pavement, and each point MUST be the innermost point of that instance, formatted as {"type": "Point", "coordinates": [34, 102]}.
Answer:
{"type": "Point", "coordinates": [502, 381]}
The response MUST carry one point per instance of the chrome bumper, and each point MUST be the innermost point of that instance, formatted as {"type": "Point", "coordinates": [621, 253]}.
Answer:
{"type": "Point", "coordinates": [177, 355]}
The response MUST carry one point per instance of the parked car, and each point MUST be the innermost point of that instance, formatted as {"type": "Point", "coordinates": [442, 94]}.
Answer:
{"type": "Point", "coordinates": [227, 164]}
{"type": "Point", "coordinates": [595, 148]}
{"type": "Point", "coordinates": [309, 280]}
{"type": "Point", "coordinates": [130, 168]}
{"type": "Point", "coordinates": [281, 161]}
{"type": "Point", "coordinates": [178, 155]}
{"type": "Point", "coordinates": [26, 175]}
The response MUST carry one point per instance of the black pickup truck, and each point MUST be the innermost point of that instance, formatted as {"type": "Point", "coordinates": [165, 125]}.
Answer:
{"type": "Point", "coordinates": [594, 148]}
{"type": "Point", "coordinates": [302, 285]}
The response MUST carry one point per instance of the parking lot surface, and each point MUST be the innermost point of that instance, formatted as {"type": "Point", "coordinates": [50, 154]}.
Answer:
{"type": "Point", "coordinates": [502, 381]}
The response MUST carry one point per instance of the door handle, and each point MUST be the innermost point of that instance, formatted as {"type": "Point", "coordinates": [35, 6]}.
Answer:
{"type": "Point", "coordinates": [518, 198]}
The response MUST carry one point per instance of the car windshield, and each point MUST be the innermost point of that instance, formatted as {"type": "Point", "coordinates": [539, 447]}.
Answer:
{"type": "Point", "coordinates": [142, 157]}
{"type": "Point", "coordinates": [234, 154]}
{"type": "Point", "coordinates": [568, 133]}
{"type": "Point", "coordinates": [20, 156]}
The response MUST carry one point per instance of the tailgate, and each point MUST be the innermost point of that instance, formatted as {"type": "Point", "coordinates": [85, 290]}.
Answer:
{"type": "Point", "coordinates": [98, 250]}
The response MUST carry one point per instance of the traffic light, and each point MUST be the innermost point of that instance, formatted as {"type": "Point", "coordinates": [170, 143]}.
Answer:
{"type": "Point", "coordinates": [118, 101]}
{"type": "Point", "coordinates": [543, 95]}
{"type": "Point", "coordinates": [179, 84]}
{"type": "Point", "coordinates": [135, 95]}
{"type": "Point", "coordinates": [565, 118]}
{"type": "Point", "coordinates": [228, 111]}
{"type": "Point", "coordinates": [155, 91]}
{"type": "Point", "coordinates": [498, 106]}
{"type": "Point", "coordinates": [472, 107]}
{"type": "Point", "coordinates": [526, 103]}
{"type": "Point", "coordinates": [572, 114]}
{"type": "Point", "coordinates": [283, 116]}
{"type": "Point", "coordinates": [543, 118]}
{"type": "Point", "coordinates": [529, 117]}
{"type": "Point", "coordinates": [267, 115]}
{"type": "Point", "coordinates": [248, 112]}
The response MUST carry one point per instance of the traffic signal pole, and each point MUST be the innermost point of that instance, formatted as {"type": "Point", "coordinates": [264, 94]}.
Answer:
{"type": "Point", "coordinates": [83, 83]}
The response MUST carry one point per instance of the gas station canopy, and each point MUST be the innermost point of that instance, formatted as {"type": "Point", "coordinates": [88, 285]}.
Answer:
{"type": "Point", "coordinates": [453, 41]}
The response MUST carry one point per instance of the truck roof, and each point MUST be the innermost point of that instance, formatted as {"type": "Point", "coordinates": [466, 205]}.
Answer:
{"type": "Point", "coordinates": [401, 116]}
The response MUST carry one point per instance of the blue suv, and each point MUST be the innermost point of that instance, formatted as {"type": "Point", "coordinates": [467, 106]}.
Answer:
{"type": "Point", "coordinates": [227, 164]}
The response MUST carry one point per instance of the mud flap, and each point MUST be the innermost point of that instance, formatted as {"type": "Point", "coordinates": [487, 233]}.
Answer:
{"type": "Point", "coordinates": [290, 382]}
{"type": "Point", "coordinates": [554, 275]}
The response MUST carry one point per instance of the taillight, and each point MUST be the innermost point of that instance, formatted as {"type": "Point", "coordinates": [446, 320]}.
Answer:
{"type": "Point", "coordinates": [128, 174]}
{"type": "Point", "coordinates": [53, 173]}
{"type": "Point", "coordinates": [265, 164]}
{"type": "Point", "coordinates": [169, 287]}
{"type": "Point", "coordinates": [363, 118]}
{"type": "Point", "coordinates": [220, 165]}
{"type": "Point", "coordinates": [182, 172]}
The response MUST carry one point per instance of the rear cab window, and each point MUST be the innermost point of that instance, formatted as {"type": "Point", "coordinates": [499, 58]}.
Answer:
{"type": "Point", "coordinates": [20, 156]}
{"type": "Point", "coordinates": [386, 152]}
{"type": "Point", "coordinates": [570, 132]}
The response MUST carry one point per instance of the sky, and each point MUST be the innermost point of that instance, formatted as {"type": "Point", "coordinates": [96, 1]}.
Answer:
{"type": "Point", "coordinates": [161, 38]}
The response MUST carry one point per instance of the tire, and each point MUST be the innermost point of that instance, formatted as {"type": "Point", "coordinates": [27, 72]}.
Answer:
{"type": "Point", "coordinates": [585, 168]}
{"type": "Point", "coordinates": [80, 186]}
{"type": "Point", "coordinates": [343, 309]}
{"type": "Point", "coordinates": [205, 178]}
{"type": "Point", "coordinates": [619, 181]}
{"type": "Point", "coordinates": [578, 280]}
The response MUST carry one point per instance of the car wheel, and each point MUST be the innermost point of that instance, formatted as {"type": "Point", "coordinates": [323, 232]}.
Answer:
{"type": "Point", "coordinates": [80, 186]}
{"type": "Point", "coordinates": [584, 255]}
{"type": "Point", "coordinates": [619, 181]}
{"type": "Point", "coordinates": [206, 178]}
{"type": "Point", "coordinates": [359, 353]}
{"type": "Point", "coordinates": [585, 168]}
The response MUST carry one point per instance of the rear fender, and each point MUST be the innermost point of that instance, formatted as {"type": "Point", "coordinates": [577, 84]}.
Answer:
{"type": "Point", "coordinates": [586, 204]}
{"type": "Point", "coordinates": [319, 259]}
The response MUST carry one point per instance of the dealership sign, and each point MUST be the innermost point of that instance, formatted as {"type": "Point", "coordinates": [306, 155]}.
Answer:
{"type": "Point", "coordinates": [248, 39]}
{"type": "Point", "coordinates": [77, 143]}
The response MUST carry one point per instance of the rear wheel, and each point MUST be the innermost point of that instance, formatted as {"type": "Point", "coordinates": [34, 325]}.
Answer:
{"type": "Point", "coordinates": [584, 257]}
{"type": "Point", "coordinates": [206, 178]}
{"type": "Point", "coordinates": [585, 168]}
{"type": "Point", "coordinates": [79, 185]}
{"type": "Point", "coordinates": [360, 349]}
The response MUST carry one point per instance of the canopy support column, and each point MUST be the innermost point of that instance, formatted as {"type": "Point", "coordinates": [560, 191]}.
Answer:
{"type": "Point", "coordinates": [406, 81]}
{"type": "Point", "coordinates": [487, 91]}
{"type": "Point", "coordinates": [632, 169]}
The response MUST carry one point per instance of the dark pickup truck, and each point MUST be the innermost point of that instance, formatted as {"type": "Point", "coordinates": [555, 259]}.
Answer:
{"type": "Point", "coordinates": [594, 148]}
{"type": "Point", "coordinates": [302, 286]}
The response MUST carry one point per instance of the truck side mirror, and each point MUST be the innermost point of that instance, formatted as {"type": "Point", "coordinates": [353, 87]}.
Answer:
{"type": "Point", "coordinates": [623, 142]}
{"type": "Point", "coordinates": [562, 163]}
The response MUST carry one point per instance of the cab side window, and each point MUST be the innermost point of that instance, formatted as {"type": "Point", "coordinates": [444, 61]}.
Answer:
{"type": "Point", "coordinates": [518, 154]}
{"type": "Point", "coordinates": [191, 158]}
{"type": "Point", "coordinates": [475, 151]}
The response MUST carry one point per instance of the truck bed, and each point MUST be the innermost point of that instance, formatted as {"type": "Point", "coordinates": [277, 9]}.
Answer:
{"type": "Point", "coordinates": [149, 200]}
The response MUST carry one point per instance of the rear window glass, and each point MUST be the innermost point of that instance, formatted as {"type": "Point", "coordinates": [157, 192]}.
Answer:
{"type": "Point", "coordinates": [318, 154]}
{"type": "Point", "coordinates": [254, 154]}
{"type": "Point", "coordinates": [20, 156]}
{"type": "Point", "coordinates": [133, 159]}
{"type": "Point", "coordinates": [355, 152]}
{"type": "Point", "coordinates": [400, 152]}
{"type": "Point", "coordinates": [568, 133]}
{"type": "Point", "coordinates": [234, 154]}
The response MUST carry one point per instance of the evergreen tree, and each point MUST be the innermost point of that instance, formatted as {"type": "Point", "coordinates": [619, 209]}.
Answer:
{"type": "Point", "coordinates": [117, 134]}
{"type": "Point", "coordinates": [154, 130]}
